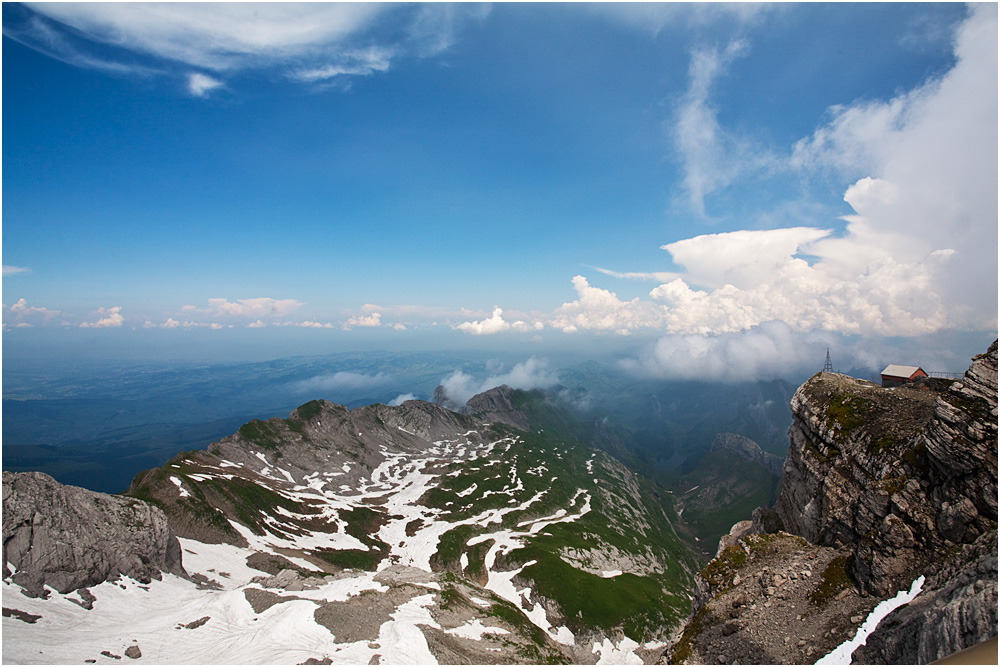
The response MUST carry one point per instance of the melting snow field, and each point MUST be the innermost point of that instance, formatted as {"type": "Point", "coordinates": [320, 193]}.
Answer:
{"type": "Point", "coordinates": [842, 654]}
{"type": "Point", "coordinates": [162, 618]}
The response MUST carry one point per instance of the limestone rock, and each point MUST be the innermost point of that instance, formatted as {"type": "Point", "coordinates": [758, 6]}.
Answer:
{"type": "Point", "coordinates": [885, 485]}
{"type": "Point", "coordinates": [958, 611]}
{"type": "Point", "coordinates": [67, 537]}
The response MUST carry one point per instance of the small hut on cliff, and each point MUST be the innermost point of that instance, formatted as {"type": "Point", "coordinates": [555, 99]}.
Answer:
{"type": "Point", "coordinates": [895, 375]}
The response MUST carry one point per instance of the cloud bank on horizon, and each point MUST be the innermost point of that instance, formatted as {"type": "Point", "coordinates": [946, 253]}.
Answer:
{"type": "Point", "coordinates": [916, 254]}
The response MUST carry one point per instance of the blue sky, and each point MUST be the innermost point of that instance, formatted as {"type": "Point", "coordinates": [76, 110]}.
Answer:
{"type": "Point", "coordinates": [675, 182]}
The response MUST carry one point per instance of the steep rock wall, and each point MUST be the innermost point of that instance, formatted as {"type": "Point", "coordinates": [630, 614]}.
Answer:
{"type": "Point", "coordinates": [900, 474]}
{"type": "Point", "coordinates": [67, 538]}
{"type": "Point", "coordinates": [885, 485]}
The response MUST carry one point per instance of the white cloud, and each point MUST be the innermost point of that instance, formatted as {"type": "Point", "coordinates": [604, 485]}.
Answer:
{"type": "Point", "coordinates": [491, 325]}
{"type": "Point", "coordinates": [306, 42]}
{"type": "Point", "coordinates": [256, 308]}
{"type": "Point", "coordinates": [767, 351]}
{"type": "Point", "coordinates": [652, 17]}
{"type": "Point", "coordinates": [918, 256]}
{"type": "Point", "coordinates": [216, 36]}
{"type": "Point", "coordinates": [712, 158]}
{"type": "Point", "coordinates": [21, 309]}
{"type": "Point", "coordinates": [359, 62]}
{"type": "Point", "coordinates": [744, 258]}
{"type": "Point", "coordinates": [534, 373]}
{"type": "Point", "coordinates": [602, 310]}
{"type": "Point", "coordinates": [658, 276]}
{"type": "Point", "coordinates": [340, 381]}
{"type": "Point", "coordinates": [14, 270]}
{"type": "Point", "coordinates": [22, 316]}
{"type": "Point", "coordinates": [402, 398]}
{"type": "Point", "coordinates": [372, 320]}
{"type": "Point", "coordinates": [110, 318]}
{"type": "Point", "coordinates": [200, 84]}
{"type": "Point", "coordinates": [256, 324]}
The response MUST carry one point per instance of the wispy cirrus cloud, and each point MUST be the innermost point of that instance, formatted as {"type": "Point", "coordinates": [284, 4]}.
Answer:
{"type": "Point", "coordinates": [711, 157]}
{"type": "Point", "coordinates": [653, 17]}
{"type": "Point", "coordinates": [205, 42]}
{"type": "Point", "coordinates": [14, 270]}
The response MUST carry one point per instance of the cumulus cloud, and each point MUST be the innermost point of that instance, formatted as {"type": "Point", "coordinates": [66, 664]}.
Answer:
{"type": "Point", "coordinates": [374, 319]}
{"type": "Point", "coordinates": [495, 324]}
{"type": "Point", "coordinates": [20, 314]}
{"type": "Point", "coordinates": [305, 42]}
{"type": "Point", "coordinates": [171, 323]}
{"type": "Point", "coordinates": [602, 310]}
{"type": "Point", "coordinates": [491, 325]}
{"type": "Point", "coordinates": [109, 318]}
{"type": "Point", "coordinates": [534, 373]}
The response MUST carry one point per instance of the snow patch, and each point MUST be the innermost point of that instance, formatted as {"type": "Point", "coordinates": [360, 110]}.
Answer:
{"type": "Point", "coordinates": [475, 629]}
{"type": "Point", "coordinates": [842, 654]}
{"type": "Point", "coordinates": [183, 491]}
{"type": "Point", "coordinates": [617, 655]}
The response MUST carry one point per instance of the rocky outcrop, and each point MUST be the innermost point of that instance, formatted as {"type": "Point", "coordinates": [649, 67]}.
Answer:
{"type": "Point", "coordinates": [900, 474]}
{"type": "Point", "coordinates": [893, 484]}
{"type": "Point", "coordinates": [67, 538]}
{"type": "Point", "coordinates": [958, 610]}
{"type": "Point", "coordinates": [495, 405]}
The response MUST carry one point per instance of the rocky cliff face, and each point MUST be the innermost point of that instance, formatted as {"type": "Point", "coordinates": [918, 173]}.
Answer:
{"type": "Point", "coordinates": [901, 474]}
{"type": "Point", "coordinates": [67, 538]}
{"type": "Point", "coordinates": [883, 485]}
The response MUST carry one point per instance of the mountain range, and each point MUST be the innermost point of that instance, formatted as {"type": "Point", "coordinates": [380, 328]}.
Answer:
{"type": "Point", "coordinates": [515, 529]}
{"type": "Point", "coordinates": [484, 543]}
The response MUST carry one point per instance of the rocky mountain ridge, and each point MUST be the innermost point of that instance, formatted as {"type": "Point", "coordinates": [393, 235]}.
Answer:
{"type": "Point", "coordinates": [406, 533]}
{"type": "Point", "coordinates": [884, 486]}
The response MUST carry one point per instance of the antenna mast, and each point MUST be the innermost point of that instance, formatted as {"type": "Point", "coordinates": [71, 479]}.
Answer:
{"type": "Point", "coordinates": [828, 366]}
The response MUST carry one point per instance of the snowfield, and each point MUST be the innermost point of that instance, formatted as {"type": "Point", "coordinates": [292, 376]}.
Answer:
{"type": "Point", "coordinates": [177, 621]}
